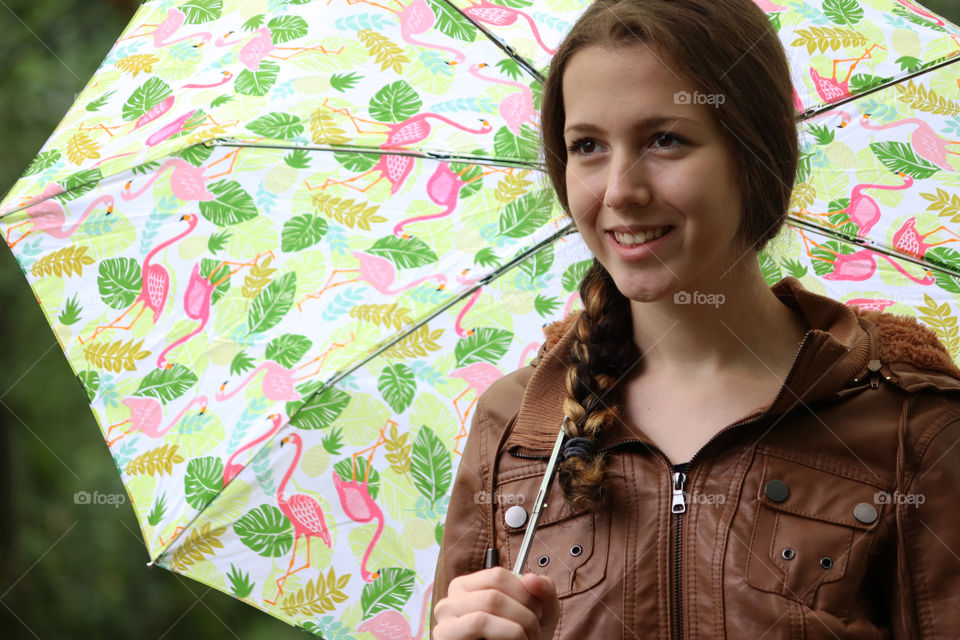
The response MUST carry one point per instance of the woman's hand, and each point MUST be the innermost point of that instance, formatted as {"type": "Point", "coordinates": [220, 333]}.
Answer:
{"type": "Point", "coordinates": [497, 605]}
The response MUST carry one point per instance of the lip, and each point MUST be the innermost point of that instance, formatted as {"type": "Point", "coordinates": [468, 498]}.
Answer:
{"type": "Point", "coordinates": [642, 251]}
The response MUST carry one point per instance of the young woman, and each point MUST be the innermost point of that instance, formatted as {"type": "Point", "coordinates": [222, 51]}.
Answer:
{"type": "Point", "coordinates": [773, 464]}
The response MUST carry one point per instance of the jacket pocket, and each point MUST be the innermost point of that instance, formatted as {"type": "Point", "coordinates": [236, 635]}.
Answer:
{"type": "Point", "coordinates": [569, 546]}
{"type": "Point", "coordinates": [812, 533]}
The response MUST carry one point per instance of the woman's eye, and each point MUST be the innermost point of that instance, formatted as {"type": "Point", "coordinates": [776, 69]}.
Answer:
{"type": "Point", "coordinates": [667, 138]}
{"type": "Point", "coordinates": [583, 147]}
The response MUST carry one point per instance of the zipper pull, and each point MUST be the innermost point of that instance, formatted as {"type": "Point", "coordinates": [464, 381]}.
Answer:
{"type": "Point", "coordinates": [679, 505]}
{"type": "Point", "coordinates": [874, 367]}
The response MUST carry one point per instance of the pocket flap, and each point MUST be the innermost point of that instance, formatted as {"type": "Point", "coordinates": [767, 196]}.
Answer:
{"type": "Point", "coordinates": [819, 494]}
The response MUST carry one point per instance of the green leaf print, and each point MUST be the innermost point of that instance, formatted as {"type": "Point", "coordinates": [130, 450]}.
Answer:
{"type": "Point", "coordinates": [398, 385]}
{"type": "Point", "coordinates": [287, 28]}
{"type": "Point", "coordinates": [231, 206]}
{"type": "Point", "coordinates": [146, 97]}
{"type": "Point", "coordinates": [843, 12]}
{"type": "Point", "coordinates": [167, 384]}
{"type": "Point", "coordinates": [406, 253]}
{"type": "Point", "coordinates": [257, 83]}
{"type": "Point", "coordinates": [283, 126]}
{"type": "Point", "coordinates": [203, 481]}
{"type": "Point", "coordinates": [526, 146]}
{"type": "Point", "coordinates": [301, 232]}
{"type": "Point", "coordinates": [451, 22]}
{"type": "Point", "coordinates": [345, 81]}
{"type": "Point", "coordinates": [43, 162]}
{"type": "Point", "coordinates": [574, 275]}
{"type": "Point", "coordinates": [201, 11]}
{"type": "Point", "coordinates": [266, 531]}
{"type": "Point", "coordinates": [318, 411]}
{"type": "Point", "coordinates": [90, 380]}
{"type": "Point", "coordinates": [272, 304]}
{"type": "Point", "coordinates": [487, 344]}
{"type": "Point", "coordinates": [430, 466]}
{"type": "Point", "coordinates": [899, 156]}
{"type": "Point", "coordinates": [286, 350]}
{"type": "Point", "coordinates": [348, 473]}
{"type": "Point", "coordinates": [395, 102]}
{"type": "Point", "coordinates": [119, 281]}
{"type": "Point", "coordinates": [391, 590]}
{"type": "Point", "coordinates": [79, 183]}
{"type": "Point", "coordinates": [525, 215]}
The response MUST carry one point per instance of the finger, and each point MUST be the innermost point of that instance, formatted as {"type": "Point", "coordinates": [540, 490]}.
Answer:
{"type": "Point", "coordinates": [479, 625]}
{"type": "Point", "coordinates": [544, 589]}
{"type": "Point", "coordinates": [498, 604]}
{"type": "Point", "coordinates": [495, 578]}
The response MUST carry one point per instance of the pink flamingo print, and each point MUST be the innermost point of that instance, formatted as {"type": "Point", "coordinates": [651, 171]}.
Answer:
{"type": "Point", "coordinates": [516, 108]}
{"type": "Point", "coordinates": [462, 279]}
{"type": "Point", "coordinates": [260, 46]}
{"type": "Point", "coordinates": [396, 168]}
{"type": "Point", "coordinates": [908, 240]}
{"type": "Point", "coordinates": [860, 265]}
{"type": "Point", "coordinates": [377, 272]}
{"type": "Point", "coordinates": [49, 217]}
{"type": "Point", "coordinates": [279, 382]}
{"type": "Point", "coordinates": [358, 504]}
{"type": "Point", "coordinates": [304, 514]}
{"type": "Point", "coordinates": [392, 625]}
{"type": "Point", "coordinates": [186, 181]}
{"type": "Point", "coordinates": [863, 211]}
{"type": "Point", "coordinates": [830, 89]}
{"type": "Point", "coordinates": [478, 376]}
{"type": "Point", "coordinates": [155, 284]}
{"type": "Point", "coordinates": [870, 304]}
{"type": "Point", "coordinates": [923, 139]}
{"type": "Point", "coordinates": [443, 188]}
{"type": "Point", "coordinates": [232, 469]}
{"type": "Point", "coordinates": [845, 118]}
{"type": "Point", "coordinates": [146, 413]}
{"type": "Point", "coordinates": [486, 12]}
{"type": "Point", "coordinates": [197, 299]}
{"type": "Point", "coordinates": [768, 6]}
{"type": "Point", "coordinates": [165, 30]}
{"type": "Point", "coordinates": [418, 18]}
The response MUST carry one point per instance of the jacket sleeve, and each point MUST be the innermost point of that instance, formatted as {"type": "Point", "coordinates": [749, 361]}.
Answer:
{"type": "Point", "coordinates": [927, 588]}
{"type": "Point", "coordinates": [466, 531]}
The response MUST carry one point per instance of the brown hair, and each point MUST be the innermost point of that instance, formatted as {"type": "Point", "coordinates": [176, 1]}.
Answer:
{"type": "Point", "coordinates": [722, 47]}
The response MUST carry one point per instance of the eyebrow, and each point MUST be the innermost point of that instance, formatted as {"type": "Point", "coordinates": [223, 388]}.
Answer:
{"type": "Point", "coordinates": [646, 123]}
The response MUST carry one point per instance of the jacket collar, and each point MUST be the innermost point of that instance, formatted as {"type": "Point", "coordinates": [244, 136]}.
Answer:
{"type": "Point", "coordinates": [843, 345]}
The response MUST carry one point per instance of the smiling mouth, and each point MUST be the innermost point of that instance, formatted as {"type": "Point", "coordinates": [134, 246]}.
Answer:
{"type": "Point", "coordinates": [636, 239]}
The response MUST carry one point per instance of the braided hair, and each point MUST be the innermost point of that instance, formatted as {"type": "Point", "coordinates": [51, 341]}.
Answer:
{"type": "Point", "coordinates": [600, 355]}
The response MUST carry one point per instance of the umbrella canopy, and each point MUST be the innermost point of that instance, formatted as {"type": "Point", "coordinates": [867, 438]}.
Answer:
{"type": "Point", "coordinates": [286, 245]}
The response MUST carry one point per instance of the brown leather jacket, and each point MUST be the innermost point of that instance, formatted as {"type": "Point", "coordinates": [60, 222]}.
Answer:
{"type": "Point", "coordinates": [834, 512]}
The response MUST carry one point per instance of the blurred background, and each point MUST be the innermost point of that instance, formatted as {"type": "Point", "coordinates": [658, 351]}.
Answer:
{"type": "Point", "coordinates": [70, 570]}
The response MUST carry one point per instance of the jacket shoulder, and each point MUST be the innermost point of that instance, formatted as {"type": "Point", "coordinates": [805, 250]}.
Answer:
{"type": "Point", "coordinates": [912, 351]}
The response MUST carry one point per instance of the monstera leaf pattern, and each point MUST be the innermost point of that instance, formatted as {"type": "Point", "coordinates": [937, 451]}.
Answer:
{"type": "Point", "coordinates": [286, 245]}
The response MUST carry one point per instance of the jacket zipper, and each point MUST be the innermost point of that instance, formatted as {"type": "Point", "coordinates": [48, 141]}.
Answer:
{"type": "Point", "coordinates": [677, 507]}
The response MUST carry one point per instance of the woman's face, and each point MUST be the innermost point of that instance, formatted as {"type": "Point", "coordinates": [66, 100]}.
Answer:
{"type": "Point", "coordinates": [645, 156]}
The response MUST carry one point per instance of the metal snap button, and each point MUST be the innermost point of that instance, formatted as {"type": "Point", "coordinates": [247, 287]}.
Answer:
{"type": "Point", "coordinates": [543, 561]}
{"type": "Point", "coordinates": [776, 490]}
{"type": "Point", "coordinates": [515, 516]}
{"type": "Point", "coordinates": [576, 550]}
{"type": "Point", "coordinates": [865, 512]}
{"type": "Point", "coordinates": [788, 553]}
{"type": "Point", "coordinates": [826, 562]}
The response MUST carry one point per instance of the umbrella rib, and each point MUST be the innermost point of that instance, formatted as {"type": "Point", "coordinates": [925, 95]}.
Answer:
{"type": "Point", "coordinates": [873, 246]}
{"type": "Point", "coordinates": [814, 111]}
{"type": "Point", "coordinates": [507, 49]}
{"type": "Point", "coordinates": [429, 155]}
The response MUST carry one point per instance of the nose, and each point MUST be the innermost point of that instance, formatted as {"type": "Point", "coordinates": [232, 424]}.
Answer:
{"type": "Point", "coordinates": [627, 181]}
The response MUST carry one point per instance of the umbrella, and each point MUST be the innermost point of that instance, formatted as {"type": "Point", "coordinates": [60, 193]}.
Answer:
{"type": "Point", "coordinates": [286, 250]}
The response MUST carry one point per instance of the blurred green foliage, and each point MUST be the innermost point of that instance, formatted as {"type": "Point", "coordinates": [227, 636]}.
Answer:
{"type": "Point", "coordinates": [78, 570]}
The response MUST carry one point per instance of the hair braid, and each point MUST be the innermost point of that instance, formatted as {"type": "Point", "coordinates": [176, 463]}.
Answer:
{"type": "Point", "coordinates": [601, 347]}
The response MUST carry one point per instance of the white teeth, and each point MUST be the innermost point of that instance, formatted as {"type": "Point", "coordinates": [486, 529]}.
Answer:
{"type": "Point", "coordinates": [631, 239]}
